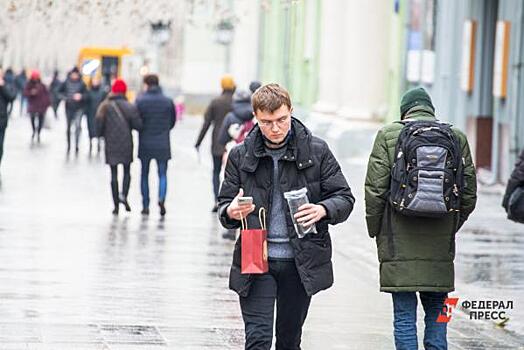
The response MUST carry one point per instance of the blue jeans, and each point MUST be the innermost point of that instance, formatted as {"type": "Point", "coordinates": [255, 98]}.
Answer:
{"type": "Point", "coordinates": [405, 320]}
{"type": "Point", "coordinates": [162, 177]}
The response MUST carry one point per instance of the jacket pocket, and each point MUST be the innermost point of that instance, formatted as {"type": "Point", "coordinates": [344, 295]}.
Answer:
{"type": "Point", "coordinates": [313, 250]}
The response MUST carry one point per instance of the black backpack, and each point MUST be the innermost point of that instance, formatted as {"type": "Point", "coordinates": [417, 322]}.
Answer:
{"type": "Point", "coordinates": [427, 176]}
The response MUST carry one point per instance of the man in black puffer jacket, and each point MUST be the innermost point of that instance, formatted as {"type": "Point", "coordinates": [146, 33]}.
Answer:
{"type": "Point", "coordinates": [280, 154]}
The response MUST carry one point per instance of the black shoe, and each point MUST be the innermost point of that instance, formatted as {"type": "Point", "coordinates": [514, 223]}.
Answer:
{"type": "Point", "coordinates": [115, 211]}
{"type": "Point", "coordinates": [162, 208]}
{"type": "Point", "coordinates": [215, 208]}
{"type": "Point", "coordinates": [123, 200]}
{"type": "Point", "coordinates": [145, 211]}
{"type": "Point", "coordinates": [230, 234]}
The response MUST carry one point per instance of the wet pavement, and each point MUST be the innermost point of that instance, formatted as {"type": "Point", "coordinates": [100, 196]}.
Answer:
{"type": "Point", "coordinates": [72, 276]}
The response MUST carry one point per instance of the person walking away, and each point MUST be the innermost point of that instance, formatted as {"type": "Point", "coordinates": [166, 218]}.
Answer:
{"type": "Point", "coordinates": [94, 97]}
{"type": "Point", "coordinates": [38, 100]}
{"type": "Point", "coordinates": [73, 91]}
{"type": "Point", "coordinates": [214, 115]}
{"type": "Point", "coordinates": [115, 119]}
{"type": "Point", "coordinates": [20, 81]}
{"type": "Point", "coordinates": [420, 188]}
{"type": "Point", "coordinates": [158, 115]}
{"type": "Point", "coordinates": [280, 155]}
{"type": "Point", "coordinates": [53, 89]}
{"type": "Point", "coordinates": [10, 80]}
{"type": "Point", "coordinates": [7, 96]}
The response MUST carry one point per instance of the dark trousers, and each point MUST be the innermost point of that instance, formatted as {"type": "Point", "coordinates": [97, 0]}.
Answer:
{"type": "Point", "coordinates": [34, 117]}
{"type": "Point", "coordinates": [114, 182]}
{"type": "Point", "coordinates": [217, 167]}
{"type": "Point", "coordinates": [2, 137]}
{"type": "Point", "coordinates": [281, 284]}
{"type": "Point", "coordinates": [74, 118]}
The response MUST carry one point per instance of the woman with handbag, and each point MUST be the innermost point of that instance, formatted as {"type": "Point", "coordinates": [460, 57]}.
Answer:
{"type": "Point", "coordinates": [115, 119]}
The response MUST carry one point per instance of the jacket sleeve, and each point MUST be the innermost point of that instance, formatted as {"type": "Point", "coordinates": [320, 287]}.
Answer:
{"type": "Point", "coordinates": [172, 115]}
{"type": "Point", "coordinates": [516, 180]}
{"type": "Point", "coordinates": [377, 184]}
{"type": "Point", "coordinates": [134, 118]}
{"type": "Point", "coordinates": [223, 136]}
{"type": "Point", "coordinates": [100, 119]}
{"type": "Point", "coordinates": [229, 189]}
{"type": "Point", "coordinates": [469, 194]}
{"type": "Point", "coordinates": [336, 194]}
{"type": "Point", "coordinates": [208, 118]}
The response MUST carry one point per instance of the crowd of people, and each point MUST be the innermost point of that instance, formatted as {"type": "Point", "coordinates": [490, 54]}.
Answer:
{"type": "Point", "coordinates": [110, 117]}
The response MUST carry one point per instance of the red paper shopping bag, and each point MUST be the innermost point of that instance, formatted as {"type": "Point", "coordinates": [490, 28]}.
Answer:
{"type": "Point", "coordinates": [254, 246]}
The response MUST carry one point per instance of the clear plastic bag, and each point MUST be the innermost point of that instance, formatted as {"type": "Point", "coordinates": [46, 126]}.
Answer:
{"type": "Point", "coordinates": [295, 199]}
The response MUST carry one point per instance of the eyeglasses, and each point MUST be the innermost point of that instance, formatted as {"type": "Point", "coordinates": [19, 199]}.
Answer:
{"type": "Point", "coordinates": [280, 122]}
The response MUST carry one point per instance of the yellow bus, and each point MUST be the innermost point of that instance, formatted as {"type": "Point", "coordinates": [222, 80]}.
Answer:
{"type": "Point", "coordinates": [109, 63]}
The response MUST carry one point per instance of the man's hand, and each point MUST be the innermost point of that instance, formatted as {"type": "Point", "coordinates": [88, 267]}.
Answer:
{"type": "Point", "coordinates": [308, 214]}
{"type": "Point", "coordinates": [238, 211]}
{"type": "Point", "coordinates": [1, 81]}
{"type": "Point", "coordinates": [77, 97]}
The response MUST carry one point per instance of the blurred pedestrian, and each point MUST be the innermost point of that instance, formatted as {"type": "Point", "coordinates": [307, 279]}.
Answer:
{"type": "Point", "coordinates": [38, 101]}
{"type": "Point", "coordinates": [280, 155]}
{"type": "Point", "coordinates": [420, 189]}
{"type": "Point", "coordinates": [7, 96]}
{"type": "Point", "coordinates": [214, 115]}
{"type": "Point", "coordinates": [115, 119]}
{"type": "Point", "coordinates": [10, 80]}
{"type": "Point", "coordinates": [94, 97]}
{"type": "Point", "coordinates": [20, 81]}
{"type": "Point", "coordinates": [53, 89]}
{"type": "Point", "coordinates": [73, 91]}
{"type": "Point", "coordinates": [515, 183]}
{"type": "Point", "coordinates": [158, 116]}
{"type": "Point", "coordinates": [239, 122]}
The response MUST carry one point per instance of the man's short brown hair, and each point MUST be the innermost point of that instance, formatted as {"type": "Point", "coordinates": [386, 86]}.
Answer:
{"type": "Point", "coordinates": [151, 80]}
{"type": "Point", "coordinates": [269, 98]}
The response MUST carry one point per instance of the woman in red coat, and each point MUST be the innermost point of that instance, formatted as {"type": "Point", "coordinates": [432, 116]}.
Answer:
{"type": "Point", "coordinates": [38, 102]}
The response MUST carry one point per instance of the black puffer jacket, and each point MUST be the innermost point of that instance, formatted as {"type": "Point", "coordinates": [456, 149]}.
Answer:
{"type": "Point", "coordinates": [308, 162]}
{"type": "Point", "coordinates": [516, 180]}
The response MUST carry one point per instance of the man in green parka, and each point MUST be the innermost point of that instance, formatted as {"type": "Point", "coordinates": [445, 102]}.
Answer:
{"type": "Point", "coordinates": [416, 253]}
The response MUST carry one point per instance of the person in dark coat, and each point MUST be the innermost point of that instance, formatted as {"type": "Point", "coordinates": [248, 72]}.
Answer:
{"type": "Point", "coordinates": [38, 100]}
{"type": "Point", "coordinates": [94, 97]}
{"type": "Point", "coordinates": [73, 91]}
{"type": "Point", "coordinates": [53, 89]}
{"type": "Point", "coordinates": [158, 115]}
{"type": "Point", "coordinates": [214, 115]}
{"type": "Point", "coordinates": [241, 113]}
{"type": "Point", "coordinates": [20, 81]}
{"type": "Point", "coordinates": [516, 180]}
{"type": "Point", "coordinates": [7, 96]}
{"type": "Point", "coordinates": [115, 119]}
{"type": "Point", "coordinates": [10, 80]}
{"type": "Point", "coordinates": [280, 154]}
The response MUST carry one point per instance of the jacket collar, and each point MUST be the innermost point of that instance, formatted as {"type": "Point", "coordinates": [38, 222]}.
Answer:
{"type": "Point", "coordinates": [298, 147]}
{"type": "Point", "coordinates": [420, 113]}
